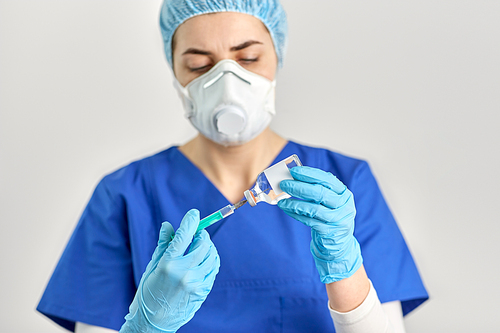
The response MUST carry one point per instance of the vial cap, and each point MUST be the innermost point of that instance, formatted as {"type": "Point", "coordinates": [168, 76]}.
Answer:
{"type": "Point", "coordinates": [249, 198]}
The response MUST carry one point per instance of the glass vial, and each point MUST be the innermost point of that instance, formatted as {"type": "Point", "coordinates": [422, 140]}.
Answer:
{"type": "Point", "coordinates": [267, 187]}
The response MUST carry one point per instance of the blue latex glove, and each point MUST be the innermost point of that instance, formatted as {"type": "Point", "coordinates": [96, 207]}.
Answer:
{"type": "Point", "coordinates": [327, 206]}
{"type": "Point", "coordinates": [175, 284]}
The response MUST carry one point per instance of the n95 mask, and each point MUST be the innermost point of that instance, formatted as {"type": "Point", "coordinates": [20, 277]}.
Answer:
{"type": "Point", "coordinates": [229, 104]}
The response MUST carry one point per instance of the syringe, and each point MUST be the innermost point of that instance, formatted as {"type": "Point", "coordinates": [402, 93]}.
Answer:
{"type": "Point", "coordinates": [219, 215]}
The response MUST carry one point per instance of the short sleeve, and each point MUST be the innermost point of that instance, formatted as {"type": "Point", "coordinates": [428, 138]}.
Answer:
{"type": "Point", "coordinates": [93, 281]}
{"type": "Point", "coordinates": [387, 259]}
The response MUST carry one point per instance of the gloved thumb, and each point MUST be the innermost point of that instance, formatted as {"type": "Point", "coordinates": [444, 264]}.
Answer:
{"type": "Point", "coordinates": [184, 234]}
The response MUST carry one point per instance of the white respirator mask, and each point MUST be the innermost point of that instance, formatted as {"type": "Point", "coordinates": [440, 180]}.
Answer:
{"type": "Point", "coordinates": [229, 104]}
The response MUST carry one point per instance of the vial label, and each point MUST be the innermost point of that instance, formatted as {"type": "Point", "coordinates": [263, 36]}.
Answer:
{"type": "Point", "coordinates": [275, 174]}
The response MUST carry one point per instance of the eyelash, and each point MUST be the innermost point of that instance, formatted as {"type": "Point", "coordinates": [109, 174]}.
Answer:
{"type": "Point", "coordinates": [199, 69]}
{"type": "Point", "coordinates": [249, 60]}
{"type": "Point", "coordinates": [203, 68]}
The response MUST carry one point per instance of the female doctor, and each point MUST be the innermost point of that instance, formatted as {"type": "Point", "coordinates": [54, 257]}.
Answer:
{"type": "Point", "coordinates": [303, 267]}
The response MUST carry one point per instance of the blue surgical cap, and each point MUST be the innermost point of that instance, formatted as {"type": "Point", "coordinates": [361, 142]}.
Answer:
{"type": "Point", "coordinates": [270, 12]}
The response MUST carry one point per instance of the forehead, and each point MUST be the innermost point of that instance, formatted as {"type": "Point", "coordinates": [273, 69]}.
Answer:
{"type": "Point", "coordinates": [223, 29]}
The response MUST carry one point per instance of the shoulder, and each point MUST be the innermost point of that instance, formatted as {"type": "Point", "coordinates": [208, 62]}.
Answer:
{"type": "Point", "coordinates": [139, 172]}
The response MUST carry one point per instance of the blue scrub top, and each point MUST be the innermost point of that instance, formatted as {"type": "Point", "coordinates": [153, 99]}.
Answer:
{"type": "Point", "coordinates": [267, 281]}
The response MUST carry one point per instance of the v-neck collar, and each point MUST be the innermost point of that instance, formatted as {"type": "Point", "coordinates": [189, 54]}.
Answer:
{"type": "Point", "coordinates": [281, 155]}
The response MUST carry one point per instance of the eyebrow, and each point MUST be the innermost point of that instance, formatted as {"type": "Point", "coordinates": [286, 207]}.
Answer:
{"type": "Point", "coordinates": [242, 46]}
{"type": "Point", "coordinates": [192, 50]}
{"type": "Point", "coordinates": [245, 45]}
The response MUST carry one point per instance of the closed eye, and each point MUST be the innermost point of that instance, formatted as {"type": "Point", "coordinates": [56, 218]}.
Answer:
{"type": "Point", "coordinates": [199, 69]}
{"type": "Point", "coordinates": [249, 60]}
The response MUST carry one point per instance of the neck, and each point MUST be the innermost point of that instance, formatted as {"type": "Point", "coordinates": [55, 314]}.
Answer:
{"type": "Point", "coordinates": [233, 169]}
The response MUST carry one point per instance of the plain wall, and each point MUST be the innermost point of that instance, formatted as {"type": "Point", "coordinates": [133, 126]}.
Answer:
{"type": "Point", "coordinates": [413, 87]}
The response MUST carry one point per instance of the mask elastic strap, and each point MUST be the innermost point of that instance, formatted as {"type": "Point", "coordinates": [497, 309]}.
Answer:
{"type": "Point", "coordinates": [184, 95]}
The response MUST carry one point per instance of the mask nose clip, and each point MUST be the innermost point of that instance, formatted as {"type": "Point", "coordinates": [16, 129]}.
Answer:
{"type": "Point", "coordinates": [230, 119]}
{"type": "Point", "coordinates": [220, 76]}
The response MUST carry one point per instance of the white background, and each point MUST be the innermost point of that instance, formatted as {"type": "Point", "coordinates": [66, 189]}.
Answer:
{"type": "Point", "coordinates": [413, 87]}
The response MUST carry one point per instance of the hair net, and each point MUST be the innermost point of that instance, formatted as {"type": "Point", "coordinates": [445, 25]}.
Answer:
{"type": "Point", "coordinates": [270, 12]}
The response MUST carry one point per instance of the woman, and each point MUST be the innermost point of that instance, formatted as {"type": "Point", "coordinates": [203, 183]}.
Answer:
{"type": "Point", "coordinates": [254, 271]}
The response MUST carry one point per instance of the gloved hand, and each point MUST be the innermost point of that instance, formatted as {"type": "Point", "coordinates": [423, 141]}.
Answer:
{"type": "Point", "coordinates": [174, 285]}
{"type": "Point", "coordinates": [327, 206]}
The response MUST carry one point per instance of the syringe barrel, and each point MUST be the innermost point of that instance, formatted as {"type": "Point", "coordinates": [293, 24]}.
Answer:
{"type": "Point", "coordinates": [217, 216]}
{"type": "Point", "coordinates": [209, 220]}
{"type": "Point", "coordinates": [226, 211]}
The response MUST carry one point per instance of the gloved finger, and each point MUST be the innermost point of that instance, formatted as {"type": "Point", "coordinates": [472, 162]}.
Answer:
{"type": "Point", "coordinates": [184, 234]}
{"type": "Point", "coordinates": [199, 249]}
{"type": "Point", "coordinates": [212, 271]}
{"type": "Point", "coordinates": [316, 193]}
{"type": "Point", "coordinates": [205, 270]}
{"type": "Point", "coordinates": [314, 224]}
{"type": "Point", "coordinates": [317, 176]}
{"type": "Point", "coordinates": [210, 263]}
{"type": "Point", "coordinates": [211, 260]}
{"type": "Point", "coordinates": [316, 216]}
{"type": "Point", "coordinates": [164, 238]}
